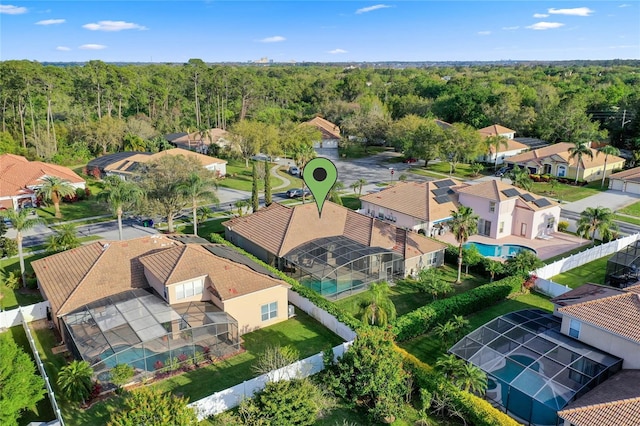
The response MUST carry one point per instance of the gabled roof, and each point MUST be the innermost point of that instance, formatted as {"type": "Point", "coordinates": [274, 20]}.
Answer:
{"type": "Point", "coordinates": [327, 128]}
{"type": "Point", "coordinates": [619, 314]}
{"type": "Point", "coordinates": [495, 130]}
{"type": "Point", "coordinates": [17, 174]}
{"type": "Point", "coordinates": [497, 191]}
{"type": "Point", "coordinates": [559, 152]}
{"type": "Point", "coordinates": [631, 175]}
{"type": "Point", "coordinates": [443, 124]}
{"type": "Point", "coordinates": [585, 293]}
{"type": "Point", "coordinates": [130, 163]}
{"type": "Point", "coordinates": [512, 145]}
{"type": "Point", "coordinates": [279, 229]}
{"type": "Point", "coordinates": [418, 199]}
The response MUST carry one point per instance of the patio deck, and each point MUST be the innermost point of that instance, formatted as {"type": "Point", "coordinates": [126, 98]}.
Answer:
{"type": "Point", "coordinates": [558, 244]}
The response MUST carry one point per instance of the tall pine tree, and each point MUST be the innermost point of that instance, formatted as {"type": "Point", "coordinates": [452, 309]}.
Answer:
{"type": "Point", "coordinates": [267, 184]}
{"type": "Point", "coordinates": [255, 195]}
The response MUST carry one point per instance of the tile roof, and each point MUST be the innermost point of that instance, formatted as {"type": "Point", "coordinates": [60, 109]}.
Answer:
{"type": "Point", "coordinates": [493, 190]}
{"type": "Point", "coordinates": [327, 128]}
{"type": "Point", "coordinates": [618, 314]}
{"type": "Point", "coordinates": [415, 199]}
{"type": "Point", "coordinates": [229, 279]}
{"type": "Point", "coordinates": [632, 175]}
{"type": "Point", "coordinates": [512, 145]}
{"type": "Point", "coordinates": [495, 130]}
{"type": "Point", "coordinates": [128, 165]}
{"type": "Point", "coordinates": [279, 229]}
{"type": "Point", "coordinates": [559, 152]}
{"type": "Point", "coordinates": [18, 175]}
{"type": "Point", "coordinates": [585, 293]}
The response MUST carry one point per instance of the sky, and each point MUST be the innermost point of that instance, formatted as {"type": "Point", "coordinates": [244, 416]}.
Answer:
{"type": "Point", "coordinates": [318, 30]}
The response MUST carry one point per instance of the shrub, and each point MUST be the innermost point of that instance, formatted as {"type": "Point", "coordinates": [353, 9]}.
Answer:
{"type": "Point", "coordinates": [563, 226]}
{"type": "Point", "coordinates": [121, 374]}
{"type": "Point", "coordinates": [80, 194]}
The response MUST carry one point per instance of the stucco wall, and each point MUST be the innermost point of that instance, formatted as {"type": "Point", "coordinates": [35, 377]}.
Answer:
{"type": "Point", "coordinates": [402, 220]}
{"type": "Point", "coordinates": [246, 245]}
{"type": "Point", "coordinates": [246, 309]}
{"type": "Point", "coordinates": [415, 264]}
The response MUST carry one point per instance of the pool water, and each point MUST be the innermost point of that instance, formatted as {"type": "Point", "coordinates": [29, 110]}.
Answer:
{"type": "Point", "coordinates": [503, 250]}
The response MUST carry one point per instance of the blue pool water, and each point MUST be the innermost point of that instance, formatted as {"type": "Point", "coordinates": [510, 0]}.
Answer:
{"type": "Point", "coordinates": [493, 250]}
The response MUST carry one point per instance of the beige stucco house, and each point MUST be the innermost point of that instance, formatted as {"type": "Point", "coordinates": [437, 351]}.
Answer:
{"type": "Point", "coordinates": [626, 181]}
{"type": "Point", "coordinates": [330, 133]}
{"type": "Point", "coordinates": [510, 148]}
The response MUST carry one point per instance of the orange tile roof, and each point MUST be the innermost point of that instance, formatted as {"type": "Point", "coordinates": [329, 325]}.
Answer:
{"type": "Point", "coordinates": [17, 174]}
{"type": "Point", "coordinates": [618, 314]}
{"type": "Point", "coordinates": [279, 229]}
{"type": "Point", "coordinates": [559, 152]}
{"type": "Point", "coordinates": [123, 165]}
{"type": "Point", "coordinates": [629, 175]}
{"type": "Point", "coordinates": [327, 128]}
{"type": "Point", "coordinates": [512, 145]}
{"type": "Point", "coordinates": [495, 130]}
{"type": "Point", "coordinates": [624, 412]}
{"type": "Point", "coordinates": [414, 199]}
{"type": "Point", "coordinates": [492, 190]}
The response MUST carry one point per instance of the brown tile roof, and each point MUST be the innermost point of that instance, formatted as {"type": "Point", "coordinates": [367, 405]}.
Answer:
{"type": "Point", "coordinates": [634, 288]}
{"type": "Point", "coordinates": [632, 175]}
{"type": "Point", "coordinates": [617, 314]}
{"type": "Point", "coordinates": [327, 128]}
{"type": "Point", "coordinates": [559, 152]}
{"type": "Point", "coordinates": [585, 293]}
{"type": "Point", "coordinates": [17, 174]}
{"type": "Point", "coordinates": [414, 199]}
{"type": "Point", "coordinates": [512, 145]}
{"type": "Point", "coordinates": [495, 130]}
{"type": "Point", "coordinates": [442, 124]}
{"type": "Point", "coordinates": [493, 190]}
{"type": "Point", "coordinates": [279, 229]}
{"type": "Point", "coordinates": [73, 278]}
{"type": "Point", "coordinates": [228, 279]}
{"type": "Point", "coordinates": [123, 165]}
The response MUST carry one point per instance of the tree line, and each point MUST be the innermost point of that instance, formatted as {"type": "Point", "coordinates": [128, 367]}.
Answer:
{"type": "Point", "coordinates": [70, 113]}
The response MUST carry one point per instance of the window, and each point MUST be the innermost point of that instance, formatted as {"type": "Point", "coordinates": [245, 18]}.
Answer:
{"type": "Point", "coordinates": [189, 289]}
{"type": "Point", "coordinates": [492, 207]}
{"type": "Point", "coordinates": [269, 311]}
{"type": "Point", "coordinates": [501, 227]}
{"type": "Point", "coordinates": [562, 171]}
{"type": "Point", "coordinates": [574, 329]}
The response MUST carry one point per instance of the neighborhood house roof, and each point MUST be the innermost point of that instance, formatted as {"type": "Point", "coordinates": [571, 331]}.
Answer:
{"type": "Point", "coordinates": [511, 145]}
{"type": "Point", "coordinates": [327, 128]}
{"type": "Point", "coordinates": [631, 175]}
{"type": "Point", "coordinates": [495, 130]}
{"type": "Point", "coordinates": [585, 293]}
{"type": "Point", "coordinates": [498, 191]}
{"type": "Point", "coordinates": [559, 152]}
{"type": "Point", "coordinates": [131, 163]}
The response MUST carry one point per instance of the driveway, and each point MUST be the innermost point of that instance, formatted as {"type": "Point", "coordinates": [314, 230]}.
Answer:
{"type": "Point", "coordinates": [614, 200]}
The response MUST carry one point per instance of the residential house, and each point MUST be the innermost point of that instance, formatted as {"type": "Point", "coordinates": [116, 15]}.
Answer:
{"type": "Point", "coordinates": [21, 178]}
{"type": "Point", "coordinates": [512, 147]}
{"type": "Point", "coordinates": [424, 207]}
{"type": "Point", "coordinates": [330, 133]}
{"type": "Point", "coordinates": [555, 160]}
{"type": "Point", "coordinates": [200, 142]}
{"type": "Point", "coordinates": [626, 181]}
{"type": "Point", "coordinates": [506, 210]}
{"type": "Point", "coordinates": [336, 254]}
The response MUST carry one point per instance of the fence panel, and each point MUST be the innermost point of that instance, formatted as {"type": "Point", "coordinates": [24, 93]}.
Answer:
{"type": "Point", "coordinates": [550, 288]}
{"type": "Point", "coordinates": [322, 316]}
{"type": "Point", "coordinates": [34, 312]}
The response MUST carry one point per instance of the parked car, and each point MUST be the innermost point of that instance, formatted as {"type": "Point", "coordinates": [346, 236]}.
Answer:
{"type": "Point", "coordinates": [503, 171]}
{"type": "Point", "coordinates": [293, 170]}
{"type": "Point", "coordinates": [297, 192]}
{"type": "Point", "coordinates": [410, 160]}
{"type": "Point", "coordinates": [260, 157]}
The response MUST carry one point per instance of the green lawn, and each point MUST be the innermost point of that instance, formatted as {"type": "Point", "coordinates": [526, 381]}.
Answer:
{"type": "Point", "coordinates": [205, 229]}
{"type": "Point", "coordinates": [633, 220]}
{"type": "Point", "coordinates": [566, 192]}
{"type": "Point", "coordinates": [351, 201]}
{"type": "Point", "coordinates": [633, 210]}
{"type": "Point", "coordinates": [240, 177]}
{"type": "Point", "coordinates": [593, 272]}
{"type": "Point", "coordinates": [428, 347]}
{"type": "Point", "coordinates": [462, 171]}
{"type": "Point", "coordinates": [13, 298]}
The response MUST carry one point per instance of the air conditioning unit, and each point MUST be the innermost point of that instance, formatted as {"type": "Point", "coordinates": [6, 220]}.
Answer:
{"type": "Point", "coordinates": [292, 311]}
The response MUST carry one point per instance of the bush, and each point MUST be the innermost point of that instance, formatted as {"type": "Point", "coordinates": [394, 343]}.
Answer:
{"type": "Point", "coordinates": [121, 374]}
{"type": "Point", "coordinates": [80, 194]}
{"type": "Point", "coordinates": [563, 226]}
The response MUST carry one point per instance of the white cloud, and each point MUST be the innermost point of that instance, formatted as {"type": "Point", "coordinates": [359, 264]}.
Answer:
{"type": "Point", "coordinates": [93, 47]}
{"type": "Point", "coordinates": [510, 28]}
{"type": "Point", "coordinates": [545, 25]}
{"type": "Point", "coordinates": [12, 10]}
{"type": "Point", "coordinates": [483, 33]}
{"type": "Point", "coordinates": [625, 5]}
{"type": "Point", "coordinates": [337, 51]}
{"type": "Point", "coordinates": [576, 11]}
{"type": "Point", "coordinates": [540, 15]}
{"type": "Point", "coordinates": [63, 48]}
{"type": "Point", "coordinates": [274, 39]}
{"type": "Point", "coordinates": [51, 22]}
{"type": "Point", "coordinates": [113, 26]}
{"type": "Point", "coordinates": [371, 8]}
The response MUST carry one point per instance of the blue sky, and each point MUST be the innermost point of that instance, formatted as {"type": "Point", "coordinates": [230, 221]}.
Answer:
{"type": "Point", "coordinates": [317, 30]}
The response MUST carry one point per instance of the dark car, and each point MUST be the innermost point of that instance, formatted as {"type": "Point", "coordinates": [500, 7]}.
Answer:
{"type": "Point", "coordinates": [297, 192]}
{"type": "Point", "coordinates": [503, 171]}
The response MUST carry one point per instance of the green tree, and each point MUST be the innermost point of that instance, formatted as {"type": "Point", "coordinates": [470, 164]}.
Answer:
{"type": "Point", "coordinates": [460, 142]}
{"type": "Point", "coordinates": [444, 332]}
{"type": "Point", "coordinates": [460, 325]}
{"type": "Point", "coordinates": [334, 193]}
{"type": "Point", "coordinates": [121, 195]}
{"type": "Point", "coordinates": [121, 374]}
{"type": "Point", "coordinates": [493, 144]}
{"type": "Point", "coordinates": [577, 151]}
{"type": "Point", "coordinates": [255, 194]}
{"type": "Point", "coordinates": [8, 247]}
{"type": "Point", "coordinates": [65, 238]}
{"type": "Point", "coordinates": [274, 358]}
{"type": "Point", "coordinates": [471, 256]}
{"type": "Point", "coordinates": [378, 308]}
{"type": "Point", "coordinates": [607, 150]}
{"type": "Point", "coordinates": [493, 267]}
{"type": "Point", "coordinates": [22, 220]}
{"type": "Point", "coordinates": [596, 219]}
{"type": "Point", "coordinates": [54, 189]}
{"type": "Point", "coordinates": [471, 379]}
{"type": "Point", "coordinates": [357, 185]}
{"type": "Point", "coordinates": [430, 281]}
{"type": "Point", "coordinates": [74, 381]}
{"type": "Point", "coordinates": [199, 186]}
{"type": "Point", "coordinates": [251, 137]}
{"type": "Point", "coordinates": [449, 365]}
{"type": "Point", "coordinates": [520, 178]}
{"type": "Point", "coordinates": [267, 184]}
{"type": "Point", "coordinates": [523, 263]}
{"type": "Point", "coordinates": [21, 387]}
{"type": "Point", "coordinates": [463, 224]}
{"type": "Point", "coordinates": [150, 406]}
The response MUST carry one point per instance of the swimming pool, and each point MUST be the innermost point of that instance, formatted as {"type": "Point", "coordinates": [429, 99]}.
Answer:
{"type": "Point", "coordinates": [503, 250]}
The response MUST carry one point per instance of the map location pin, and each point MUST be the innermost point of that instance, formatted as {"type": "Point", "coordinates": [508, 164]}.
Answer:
{"type": "Point", "coordinates": [320, 174]}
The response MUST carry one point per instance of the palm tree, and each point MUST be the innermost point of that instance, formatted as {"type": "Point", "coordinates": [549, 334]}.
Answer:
{"type": "Point", "coordinates": [334, 193]}
{"type": "Point", "coordinates": [471, 378]}
{"type": "Point", "coordinates": [463, 224]}
{"type": "Point", "coordinates": [444, 332]}
{"type": "Point", "coordinates": [360, 183]}
{"type": "Point", "coordinates": [596, 219]}
{"type": "Point", "coordinates": [520, 177]}
{"type": "Point", "coordinates": [22, 220]}
{"type": "Point", "coordinates": [380, 309]}
{"type": "Point", "coordinates": [198, 187]}
{"type": "Point", "coordinates": [120, 195]}
{"type": "Point", "coordinates": [578, 150]}
{"type": "Point", "coordinates": [496, 142]}
{"type": "Point", "coordinates": [460, 325]}
{"type": "Point", "coordinates": [66, 238]}
{"type": "Point", "coordinates": [55, 189]}
{"type": "Point", "coordinates": [607, 150]}
{"type": "Point", "coordinates": [449, 365]}
{"type": "Point", "coordinates": [74, 380]}
{"type": "Point", "coordinates": [522, 263]}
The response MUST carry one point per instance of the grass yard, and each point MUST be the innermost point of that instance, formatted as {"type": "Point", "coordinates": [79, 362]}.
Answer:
{"type": "Point", "coordinates": [566, 192]}
{"type": "Point", "coordinates": [462, 170]}
{"type": "Point", "coordinates": [240, 177]}
{"type": "Point", "coordinates": [593, 272]}
{"type": "Point", "coordinates": [428, 347]}
{"type": "Point", "coordinates": [351, 201]}
{"type": "Point", "coordinates": [621, 218]}
{"type": "Point", "coordinates": [633, 210]}
{"type": "Point", "coordinates": [205, 229]}
{"type": "Point", "coordinates": [73, 211]}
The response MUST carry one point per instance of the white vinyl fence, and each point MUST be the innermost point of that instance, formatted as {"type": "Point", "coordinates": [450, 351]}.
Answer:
{"type": "Point", "coordinates": [322, 316]}
{"type": "Point", "coordinates": [34, 312]}
{"type": "Point", "coordinates": [550, 288]}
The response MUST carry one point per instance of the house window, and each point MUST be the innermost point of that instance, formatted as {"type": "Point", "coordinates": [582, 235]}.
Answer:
{"type": "Point", "coordinates": [484, 227]}
{"type": "Point", "coordinates": [188, 289]}
{"type": "Point", "coordinates": [547, 169]}
{"type": "Point", "coordinates": [501, 227]}
{"type": "Point", "coordinates": [492, 206]}
{"type": "Point", "coordinates": [269, 311]}
{"type": "Point", "coordinates": [574, 329]}
{"type": "Point", "coordinates": [562, 171]}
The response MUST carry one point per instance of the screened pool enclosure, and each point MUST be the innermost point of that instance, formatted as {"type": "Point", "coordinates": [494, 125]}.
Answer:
{"type": "Point", "coordinates": [140, 329]}
{"type": "Point", "coordinates": [533, 369]}
{"type": "Point", "coordinates": [623, 268]}
{"type": "Point", "coordinates": [339, 266]}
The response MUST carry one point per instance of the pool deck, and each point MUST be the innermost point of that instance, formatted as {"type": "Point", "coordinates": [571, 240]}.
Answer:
{"type": "Point", "coordinates": [558, 243]}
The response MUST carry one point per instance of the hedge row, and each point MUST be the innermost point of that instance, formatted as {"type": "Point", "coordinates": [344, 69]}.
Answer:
{"type": "Point", "coordinates": [314, 297]}
{"type": "Point", "coordinates": [474, 409]}
{"type": "Point", "coordinates": [425, 318]}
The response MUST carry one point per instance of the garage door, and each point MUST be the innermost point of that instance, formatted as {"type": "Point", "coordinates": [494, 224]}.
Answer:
{"type": "Point", "coordinates": [616, 184]}
{"type": "Point", "coordinates": [633, 187]}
